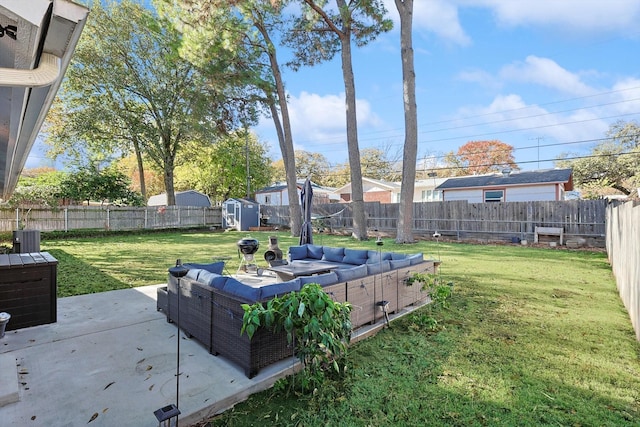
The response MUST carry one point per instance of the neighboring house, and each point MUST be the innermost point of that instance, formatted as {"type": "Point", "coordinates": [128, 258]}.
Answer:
{"type": "Point", "coordinates": [183, 198]}
{"type": "Point", "coordinates": [539, 185]}
{"type": "Point", "coordinates": [277, 194]}
{"type": "Point", "coordinates": [389, 192]}
{"type": "Point", "coordinates": [373, 190]}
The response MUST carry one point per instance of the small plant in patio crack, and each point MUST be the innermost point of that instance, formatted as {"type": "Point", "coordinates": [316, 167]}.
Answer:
{"type": "Point", "coordinates": [318, 326]}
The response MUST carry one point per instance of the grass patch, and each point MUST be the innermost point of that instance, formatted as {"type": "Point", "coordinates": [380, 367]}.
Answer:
{"type": "Point", "coordinates": [532, 336]}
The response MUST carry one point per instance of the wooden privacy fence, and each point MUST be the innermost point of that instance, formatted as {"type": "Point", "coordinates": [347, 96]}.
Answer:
{"type": "Point", "coordinates": [623, 249]}
{"type": "Point", "coordinates": [462, 220]}
{"type": "Point", "coordinates": [108, 218]}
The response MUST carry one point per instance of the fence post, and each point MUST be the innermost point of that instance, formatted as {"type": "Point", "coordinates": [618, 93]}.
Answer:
{"type": "Point", "coordinates": [146, 217]}
{"type": "Point", "coordinates": [66, 219]}
{"type": "Point", "coordinates": [108, 224]}
{"type": "Point", "coordinates": [17, 218]}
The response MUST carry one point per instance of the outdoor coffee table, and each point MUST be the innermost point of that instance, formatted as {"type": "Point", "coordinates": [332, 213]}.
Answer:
{"type": "Point", "coordinates": [301, 268]}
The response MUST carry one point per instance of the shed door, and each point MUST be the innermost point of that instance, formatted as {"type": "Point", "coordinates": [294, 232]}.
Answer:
{"type": "Point", "coordinates": [232, 215]}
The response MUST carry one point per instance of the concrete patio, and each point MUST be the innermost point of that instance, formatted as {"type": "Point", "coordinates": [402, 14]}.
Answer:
{"type": "Point", "coordinates": [110, 360]}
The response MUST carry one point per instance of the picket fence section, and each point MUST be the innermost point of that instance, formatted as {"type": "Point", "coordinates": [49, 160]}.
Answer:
{"type": "Point", "coordinates": [623, 250]}
{"type": "Point", "coordinates": [108, 218]}
{"type": "Point", "coordinates": [462, 220]}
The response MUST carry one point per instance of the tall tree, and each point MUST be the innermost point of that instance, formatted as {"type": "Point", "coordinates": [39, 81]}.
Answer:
{"type": "Point", "coordinates": [404, 233]}
{"type": "Point", "coordinates": [247, 29]}
{"type": "Point", "coordinates": [479, 157]}
{"type": "Point", "coordinates": [612, 166]}
{"type": "Point", "coordinates": [320, 32]}
{"type": "Point", "coordinates": [127, 83]}
{"type": "Point", "coordinates": [220, 171]}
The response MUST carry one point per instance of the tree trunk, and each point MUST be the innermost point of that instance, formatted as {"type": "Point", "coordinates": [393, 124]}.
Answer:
{"type": "Point", "coordinates": [143, 185]}
{"type": "Point", "coordinates": [168, 180]}
{"type": "Point", "coordinates": [357, 194]}
{"type": "Point", "coordinates": [405, 221]}
{"type": "Point", "coordinates": [285, 138]}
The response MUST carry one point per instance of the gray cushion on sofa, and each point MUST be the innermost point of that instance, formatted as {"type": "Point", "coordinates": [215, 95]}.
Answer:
{"type": "Point", "coordinates": [325, 279]}
{"type": "Point", "coordinates": [297, 252]}
{"type": "Point", "coordinates": [415, 258]}
{"type": "Point", "coordinates": [378, 267]}
{"type": "Point", "coordinates": [346, 274]}
{"type": "Point", "coordinates": [212, 279]}
{"type": "Point", "coordinates": [214, 267]}
{"type": "Point", "coordinates": [400, 263]}
{"type": "Point", "coordinates": [314, 251]}
{"type": "Point", "coordinates": [281, 288]}
{"type": "Point", "coordinates": [396, 256]}
{"type": "Point", "coordinates": [193, 273]}
{"type": "Point", "coordinates": [355, 256]}
{"type": "Point", "coordinates": [374, 256]}
{"type": "Point", "coordinates": [239, 289]}
{"type": "Point", "coordinates": [333, 254]}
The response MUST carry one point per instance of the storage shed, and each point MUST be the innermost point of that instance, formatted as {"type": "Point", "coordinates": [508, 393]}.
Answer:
{"type": "Point", "coordinates": [240, 214]}
{"type": "Point", "coordinates": [183, 198]}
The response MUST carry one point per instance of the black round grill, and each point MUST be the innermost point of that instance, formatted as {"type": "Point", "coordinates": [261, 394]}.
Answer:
{"type": "Point", "coordinates": [248, 246]}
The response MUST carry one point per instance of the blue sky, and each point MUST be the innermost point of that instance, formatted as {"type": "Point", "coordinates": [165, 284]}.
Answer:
{"type": "Point", "coordinates": [545, 76]}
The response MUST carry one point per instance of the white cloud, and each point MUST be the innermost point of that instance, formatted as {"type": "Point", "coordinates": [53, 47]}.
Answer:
{"type": "Point", "coordinates": [509, 115]}
{"type": "Point", "coordinates": [590, 16]}
{"type": "Point", "coordinates": [576, 17]}
{"type": "Point", "coordinates": [436, 16]}
{"type": "Point", "coordinates": [546, 72]}
{"type": "Point", "coordinates": [318, 122]}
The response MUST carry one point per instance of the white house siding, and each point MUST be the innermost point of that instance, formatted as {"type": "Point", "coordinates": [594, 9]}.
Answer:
{"type": "Point", "coordinates": [471, 195]}
{"type": "Point", "coordinates": [531, 193]}
{"type": "Point", "coordinates": [276, 198]}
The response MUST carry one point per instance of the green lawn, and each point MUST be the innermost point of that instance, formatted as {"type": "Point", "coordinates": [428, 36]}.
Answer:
{"type": "Point", "coordinates": [532, 337]}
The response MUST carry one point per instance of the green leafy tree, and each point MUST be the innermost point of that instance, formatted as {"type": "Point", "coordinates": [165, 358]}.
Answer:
{"type": "Point", "coordinates": [220, 169]}
{"type": "Point", "coordinates": [128, 87]}
{"type": "Point", "coordinates": [105, 186]}
{"type": "Point", "coordinates": [612, 166]}
{"type": "Point", "coordinates": [312, 165]}
{"type": "Point", "coordinates": [245, 30]}
{"type": "Point", "coordinates": [319, 33]}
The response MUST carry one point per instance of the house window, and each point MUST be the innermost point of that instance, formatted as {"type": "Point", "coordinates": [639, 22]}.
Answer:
{"type": "Point", "coordinates": [494, 196]}
{"type": "Point", "coordinates": [431, 195]}
{"type": "Point", "coordinates": [267, 200]}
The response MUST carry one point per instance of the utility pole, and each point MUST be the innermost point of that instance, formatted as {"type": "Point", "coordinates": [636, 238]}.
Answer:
{"type": "Point", "coordinates": [246, 140]}
{"type": "Point", "coordinates": [538, 138]}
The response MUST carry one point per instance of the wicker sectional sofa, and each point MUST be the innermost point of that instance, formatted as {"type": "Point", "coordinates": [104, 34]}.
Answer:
{"type": "Point", "coordinates": [210, 303]}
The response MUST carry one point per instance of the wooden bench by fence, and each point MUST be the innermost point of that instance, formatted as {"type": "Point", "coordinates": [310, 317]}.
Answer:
{"type": "Point", "coordinates": [549, 231]}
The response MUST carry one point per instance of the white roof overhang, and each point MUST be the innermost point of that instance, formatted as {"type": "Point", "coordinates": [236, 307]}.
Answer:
{"type": "Point", "coordinates": [37, 40]}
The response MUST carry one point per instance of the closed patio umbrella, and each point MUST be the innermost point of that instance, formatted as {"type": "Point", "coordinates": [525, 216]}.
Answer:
{"type": "Point", "coordinates": [306, 197]}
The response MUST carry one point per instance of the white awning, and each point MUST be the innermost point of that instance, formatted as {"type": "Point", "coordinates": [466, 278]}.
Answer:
{"type": "Point", "coordinates": [37, 39]}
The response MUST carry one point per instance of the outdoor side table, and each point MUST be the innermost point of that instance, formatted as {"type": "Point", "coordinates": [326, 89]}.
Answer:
{"type": "Point", "coordinates": [28, 287]}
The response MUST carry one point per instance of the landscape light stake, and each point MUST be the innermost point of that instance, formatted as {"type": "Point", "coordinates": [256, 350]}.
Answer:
{"type": "Point", "coordinates": [166, 413]}
{"type": "Point", "coordinates": [383, 305]}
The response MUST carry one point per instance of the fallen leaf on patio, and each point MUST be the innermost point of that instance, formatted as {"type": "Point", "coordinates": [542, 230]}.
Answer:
{"type": "Point", "coordinates": [149, 367]}
{"type": "Point", "coordinates": [93, 417]}
{"type": "Point", "coordinates": [33, 418]}
{"type": "Point", "coordinates": [151, 387]}
{"type": "Point", "coordinates": [109, 385]}
{"type": "Point", "coordinates": [105, 410]}
{"type": "Point", "coordinates": [140, 361]}
{"type": "Point", "coordinates": [139, 349]}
